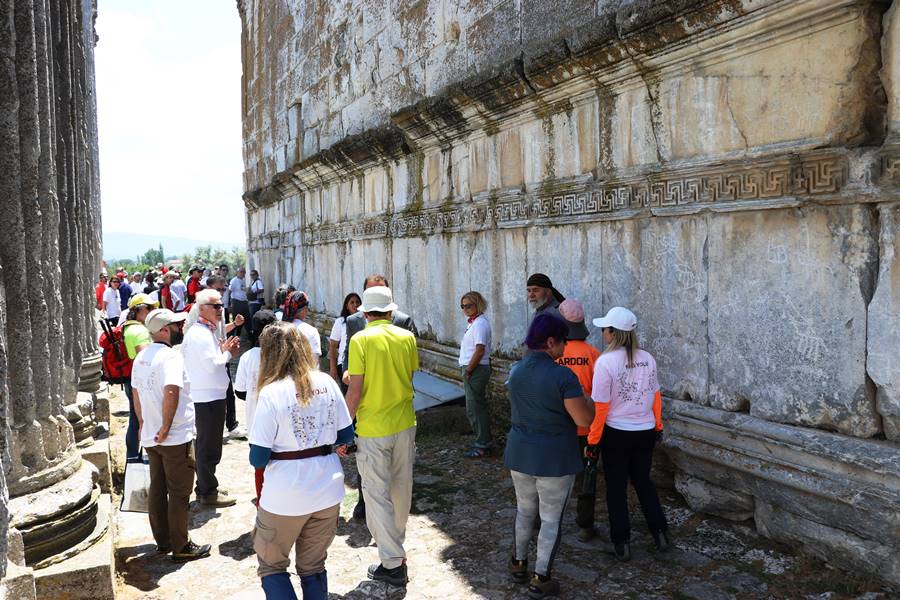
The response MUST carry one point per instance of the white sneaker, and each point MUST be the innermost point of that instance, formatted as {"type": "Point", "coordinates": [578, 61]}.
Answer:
{"type": "Point", "coordinates": [238, 433]}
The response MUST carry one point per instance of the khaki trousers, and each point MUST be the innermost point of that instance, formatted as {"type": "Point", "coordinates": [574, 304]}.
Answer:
{"type": "Point", "coordinates": [309, 535]}
{"type": "Point", "coordinates": [386, 467]}
{"type": "Point", "coordinates": [171, 480]}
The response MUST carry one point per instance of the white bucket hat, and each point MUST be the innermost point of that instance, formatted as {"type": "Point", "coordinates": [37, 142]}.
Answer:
{"type": "Point", "coordinates": [378, 299]}
{"type": "Point", "coordinates": [619, 318]}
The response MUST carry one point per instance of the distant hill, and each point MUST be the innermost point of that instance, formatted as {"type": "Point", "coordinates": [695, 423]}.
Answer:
{"type": "Point", "coordinates": [118, 245]}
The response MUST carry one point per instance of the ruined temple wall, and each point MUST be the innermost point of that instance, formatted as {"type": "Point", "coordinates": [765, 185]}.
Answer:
{"type": "Point", "coordinates": [323, 70]}
{"type": "Point", "coordinates": [729, 172]}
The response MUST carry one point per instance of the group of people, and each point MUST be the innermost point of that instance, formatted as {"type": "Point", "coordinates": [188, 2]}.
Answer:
{"type": "Point", "coordinates": [571, 406]}
{"type": "Point", "coordinates": [124, 307]}
{"type": "Point", "coordinates": [166, 287]}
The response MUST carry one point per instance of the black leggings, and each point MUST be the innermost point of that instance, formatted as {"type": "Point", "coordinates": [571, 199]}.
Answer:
{"type": "Point", "coordinates": [628, 456]}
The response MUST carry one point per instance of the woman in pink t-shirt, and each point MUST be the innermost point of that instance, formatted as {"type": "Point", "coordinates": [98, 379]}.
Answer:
{"type": "Point", "coordinates": [628, 406]}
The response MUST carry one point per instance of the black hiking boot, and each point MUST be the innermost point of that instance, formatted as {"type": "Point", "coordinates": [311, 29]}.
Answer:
{"type": "Point", "coordinates": [397, 576]}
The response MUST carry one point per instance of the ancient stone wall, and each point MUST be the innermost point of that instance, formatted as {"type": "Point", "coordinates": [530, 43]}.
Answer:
{"type": "Point", "coordinates": [49, 257]}
{"type": "Point", "coordinates": [727, 168]}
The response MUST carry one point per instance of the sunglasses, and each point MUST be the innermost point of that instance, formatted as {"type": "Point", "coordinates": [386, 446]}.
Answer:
{"type": "Point", "coordinates": [215, 306]}
{"type": "Point", "coordinates": [466, 306]}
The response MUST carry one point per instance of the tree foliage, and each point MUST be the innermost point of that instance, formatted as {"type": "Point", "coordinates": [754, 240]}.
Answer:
{"type": "Point", "coordinates": [209, 257]}
{"type": "Point", "coordinates": [204, 256]}
{"type": "Point", "coordinates": [153, 256]}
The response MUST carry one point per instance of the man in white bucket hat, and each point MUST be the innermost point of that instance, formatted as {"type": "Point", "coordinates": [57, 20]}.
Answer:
{"type": "Point", "coordinates": [382, 360]}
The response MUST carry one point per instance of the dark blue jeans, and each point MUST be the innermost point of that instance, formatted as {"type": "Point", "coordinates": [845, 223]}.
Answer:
{"type": "Point", "coordinates": [132, 442]}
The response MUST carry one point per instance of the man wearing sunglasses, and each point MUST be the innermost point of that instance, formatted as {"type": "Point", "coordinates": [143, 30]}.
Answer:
{"type": "Point", "coordinates": [206, 363]}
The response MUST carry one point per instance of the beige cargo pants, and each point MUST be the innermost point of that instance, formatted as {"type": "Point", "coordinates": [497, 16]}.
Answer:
{"type": "Point", "coordinates": [386, 467]}
{"type": "Point", "coordinates": [308, 535]}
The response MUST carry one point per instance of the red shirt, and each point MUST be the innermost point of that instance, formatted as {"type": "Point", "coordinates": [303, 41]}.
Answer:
{"type": "Point", "coordinates": [98, 292]}
{"type": "Point", "coordinates": [193, 287]}
{"type": "Point", "coordinates": [165, 298]}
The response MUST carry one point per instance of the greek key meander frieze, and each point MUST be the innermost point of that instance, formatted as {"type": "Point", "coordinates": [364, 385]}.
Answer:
{"type": "Point", "coordinates": [808, 176]}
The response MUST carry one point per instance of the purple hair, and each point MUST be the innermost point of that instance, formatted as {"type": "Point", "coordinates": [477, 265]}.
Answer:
{"type": "Point", "coordinates": [544, 327]}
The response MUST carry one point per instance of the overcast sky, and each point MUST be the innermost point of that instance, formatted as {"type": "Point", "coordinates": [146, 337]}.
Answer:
{"type": "Point", "coordinates": [169, 109]}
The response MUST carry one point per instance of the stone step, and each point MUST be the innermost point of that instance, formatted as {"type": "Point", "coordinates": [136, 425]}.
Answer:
{"type": "Point", "coordinates": [87, 575]}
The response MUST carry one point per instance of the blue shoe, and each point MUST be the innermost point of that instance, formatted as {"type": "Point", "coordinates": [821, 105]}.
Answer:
{"type": "Point", "coordinates": [315, 587]}
{"type": "Point", "coordinates": [278, 587]}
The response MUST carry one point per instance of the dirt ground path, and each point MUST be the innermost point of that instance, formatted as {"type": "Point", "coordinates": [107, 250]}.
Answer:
{"type": "Point", "coordinates": [458, 542]}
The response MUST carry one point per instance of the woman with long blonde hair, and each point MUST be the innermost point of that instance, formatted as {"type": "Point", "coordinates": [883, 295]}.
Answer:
{"type": "Point", "coordinates": [301, 422]}
{"type": "Point", "coordinates": [629, 419]}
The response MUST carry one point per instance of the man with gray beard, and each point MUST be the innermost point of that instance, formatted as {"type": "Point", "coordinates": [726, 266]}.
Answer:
{"type": "Point", "coordinates": [543, 298]}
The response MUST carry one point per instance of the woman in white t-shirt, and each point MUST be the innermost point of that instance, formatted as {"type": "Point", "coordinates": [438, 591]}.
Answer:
{"type": "Point", "coordinates": [475, 364]}
{"type": "Point", "coordinates": [628, 408]}
{"type": "Point", "coordinates": [337, 343]}
{"type": "Point", "coordinates": [112, 302]}
{"type": "Point", "coordinates": [247, 377]}
{"type": "Point", "coordinates": [296, 309]}
{"type": "Point", "coordinates": [300, 416]}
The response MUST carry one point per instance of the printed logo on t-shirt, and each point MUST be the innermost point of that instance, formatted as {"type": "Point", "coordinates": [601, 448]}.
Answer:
{"type": "Point", "coordinates": [574, 361]}
{"type": "Point", "coordinates": [629, 384]}
{"type": "Point", "coordinates": [310, 421]}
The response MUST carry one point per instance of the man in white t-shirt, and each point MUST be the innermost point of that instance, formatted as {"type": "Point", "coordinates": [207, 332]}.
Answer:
{"type": "Point", "coordinates": [165, 413]}
{"type": "Point", "coordinates": [255, 294]}
{"type": "Point", "coordinates": [237, 293]}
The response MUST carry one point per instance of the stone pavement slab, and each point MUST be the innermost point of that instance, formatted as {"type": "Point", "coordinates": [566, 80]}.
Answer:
{"type": "Point", "coordinates": [458, 542]}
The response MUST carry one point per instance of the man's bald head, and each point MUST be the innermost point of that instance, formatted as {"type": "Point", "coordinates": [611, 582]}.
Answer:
{"type": "Point", "coordinates": [373, 280]}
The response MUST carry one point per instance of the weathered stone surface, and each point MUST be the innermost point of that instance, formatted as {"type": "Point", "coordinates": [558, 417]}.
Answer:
{"type": "Point", "coordinates": [48, 145]}
{"type": "Point", "coordinates": [87, 575]}
{"type": "Point", "coordinates": [835, 545]}
{"type": "Point", "coordinates": [18, 584]}
{"type": "Point", "coordinates": [853, 485]}
{"type": "Point", "coordinates": [883, 360]}
{"type": "Point", "coordinates": [717, 166]}
{"type": "Point", "coordinates": [890, 71]}
{"type": "Point", "coordinates": [98, 455]}
{"type": "Point", "coordinates": [777, 312]}
{"type": "Point", "coordinates": [703, 496]}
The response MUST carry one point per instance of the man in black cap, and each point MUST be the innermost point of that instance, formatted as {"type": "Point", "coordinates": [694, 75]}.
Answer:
{"type": "Point", "coordinates": [194, 285]}
{"type": "Point", "coordinates": [542, 296]}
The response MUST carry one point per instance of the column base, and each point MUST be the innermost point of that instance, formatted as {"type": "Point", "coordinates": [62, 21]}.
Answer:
{"type": "Point", "coordinates": [90, 373]}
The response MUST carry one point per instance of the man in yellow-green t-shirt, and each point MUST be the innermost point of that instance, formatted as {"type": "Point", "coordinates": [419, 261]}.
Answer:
{"type": "Point", "coordinates": [382, 360]}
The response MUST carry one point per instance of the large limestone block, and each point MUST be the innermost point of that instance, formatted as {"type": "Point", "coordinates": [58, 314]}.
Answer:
{"type": "Point", "coordinates": [703, 496]}
{"type": "Point", "coordinates": [432, 299]}
{"type": "Point", "coordinates": [671, 303]}
{"type": "Point", "coordinates": [883, 362]}
{"type": "Point", "coordinates": [836, 546]}
{"type": "Point", "coordinates": [787, 315]}
{"type": "Point", "coordinates": [510, 264]}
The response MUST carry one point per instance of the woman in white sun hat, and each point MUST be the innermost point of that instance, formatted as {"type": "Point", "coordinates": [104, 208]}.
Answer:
{"type": "Point", "coordinates": [628, 404]}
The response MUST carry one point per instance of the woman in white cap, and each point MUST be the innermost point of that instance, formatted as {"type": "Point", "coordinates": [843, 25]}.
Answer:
{"type": "Point", "coordinates": [629, 406]}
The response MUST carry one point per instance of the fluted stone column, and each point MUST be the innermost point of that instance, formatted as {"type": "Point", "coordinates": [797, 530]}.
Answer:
{"type": "Point", "coordinates": [49, 249]}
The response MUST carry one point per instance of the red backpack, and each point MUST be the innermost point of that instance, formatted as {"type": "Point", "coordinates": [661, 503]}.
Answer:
{"type": "Point", "coordinates": [116, 364]}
